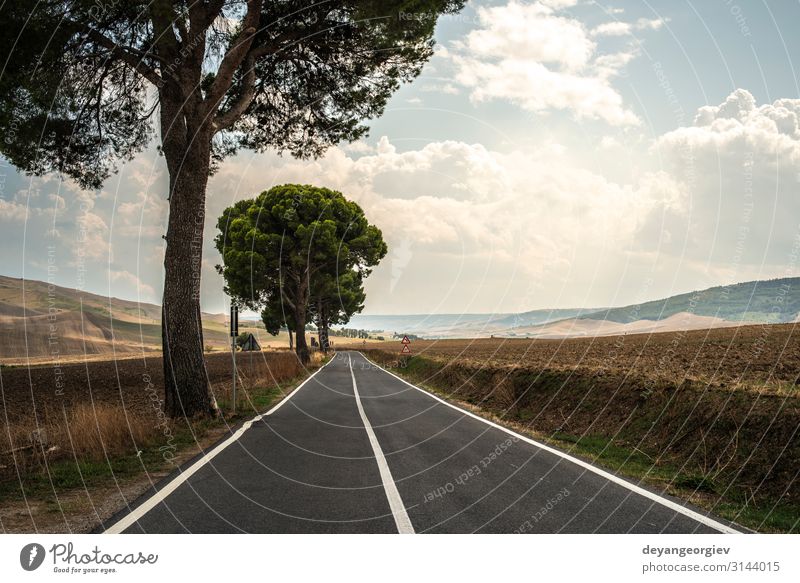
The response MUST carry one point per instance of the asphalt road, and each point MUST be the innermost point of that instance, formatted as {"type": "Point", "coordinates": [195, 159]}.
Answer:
{"type": "Point", "coordinates": [355, 449]}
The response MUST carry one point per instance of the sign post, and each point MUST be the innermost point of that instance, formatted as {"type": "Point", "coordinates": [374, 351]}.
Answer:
{"type": "Point", "coordinates": [405, 342]}
{"type": "Point", "coordinates": [234, 334]}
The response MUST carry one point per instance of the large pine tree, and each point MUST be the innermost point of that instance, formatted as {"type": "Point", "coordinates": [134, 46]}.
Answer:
{"type": "Point", "coordinates": [83, 81]}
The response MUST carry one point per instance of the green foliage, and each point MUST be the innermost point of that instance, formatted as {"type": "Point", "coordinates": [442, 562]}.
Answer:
{"type": "Point", "coordinates": [352, 333]}
{"type": "Point", "coordinates": [274, 314]}
{"type": "Point", "coordinates": [288, 75]}
{"type": "Point", "coordinates": [337, 297]}
{"type": "Point", "coordinates": [293, 244]}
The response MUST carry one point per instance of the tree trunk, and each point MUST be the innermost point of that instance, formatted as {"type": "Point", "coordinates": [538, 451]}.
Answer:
{"type": "Point", "coordinates": [300, 303]}
{"type": "Point", "coordinates": [301, 348]}
{"type": "Point", "coordinates": [322, 326]}
{"type": "Point", "coordinates": [291, 342]}
{"type": "Point", "coordinates": [324, 340]}
{"type": "Point", "coordinates": [185, 379]}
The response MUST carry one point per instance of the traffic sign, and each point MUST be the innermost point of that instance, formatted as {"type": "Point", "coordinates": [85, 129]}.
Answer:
{"type": "Point", "coordinates": [406, 340]}
{"type": "Point", "coordinates": [406, 349]}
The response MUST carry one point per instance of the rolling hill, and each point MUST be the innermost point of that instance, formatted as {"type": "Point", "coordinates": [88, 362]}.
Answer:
{"type": "Point", "coordinates": [453, 325]}
{"type": "Point", "coordinates": [769, 301]}
{"type": "Point", "coordinates": [38, 320]}
{"type": "Point", "coordinates": [773, 301]}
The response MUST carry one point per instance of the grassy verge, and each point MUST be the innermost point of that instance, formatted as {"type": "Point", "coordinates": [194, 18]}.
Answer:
{"type": "Point", "coordinates": [102, 447]}
{"type": "Point", "coordinates": [633, 449]}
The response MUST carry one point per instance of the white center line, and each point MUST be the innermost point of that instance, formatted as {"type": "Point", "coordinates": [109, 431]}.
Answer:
{"type": "Point", "coordinates": [401, 518]}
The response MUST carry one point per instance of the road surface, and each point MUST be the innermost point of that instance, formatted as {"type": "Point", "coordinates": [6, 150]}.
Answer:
{"type": "Point", "coordinates": [355, 449]}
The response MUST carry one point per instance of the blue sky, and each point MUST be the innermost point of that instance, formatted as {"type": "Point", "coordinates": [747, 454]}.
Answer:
{"type": "Point", "coordinates": [552, 154]}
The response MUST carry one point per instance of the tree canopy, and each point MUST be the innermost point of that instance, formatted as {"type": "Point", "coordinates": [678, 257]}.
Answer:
{"type": "Point", "coordinates": [295, 244]}
{"type": "Point", "coordinates": [83, 79]}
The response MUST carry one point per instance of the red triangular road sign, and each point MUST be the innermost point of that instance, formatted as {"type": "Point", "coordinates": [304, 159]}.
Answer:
{"type": "Point", "coordinates": [406, 340]}
{"type": "Point", "coordinates": [406, 350]}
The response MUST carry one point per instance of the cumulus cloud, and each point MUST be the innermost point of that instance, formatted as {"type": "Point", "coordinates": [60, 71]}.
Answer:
{"type": "Point", "coordinates": [90, 239]}
{"type": "Point", "coordinates": [538, 58]}
{"type": "Point", "coordinates": [715, 199]}
{"type": "Point", "coordinates": [462, 201]}
{"type": "Point", "coordinates": [530, 30]}
{"type": "Point", "coordinates": [559, 4]}
{"type": "Point", "coordinates": [12, 211]}
{"type": "Point", "coordinates": [739, 164]}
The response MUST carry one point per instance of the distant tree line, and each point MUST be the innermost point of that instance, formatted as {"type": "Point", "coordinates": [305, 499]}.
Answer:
{"type": "Point", "coordinates": [350, 333]}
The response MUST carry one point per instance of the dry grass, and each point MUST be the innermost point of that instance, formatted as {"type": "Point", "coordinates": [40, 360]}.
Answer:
{"type": "Point", "coordinates": [101, 425]}
{"type": "Point", "coordinates": [258, 376]}
{"type": "Point", "coordinates": [86, 431]}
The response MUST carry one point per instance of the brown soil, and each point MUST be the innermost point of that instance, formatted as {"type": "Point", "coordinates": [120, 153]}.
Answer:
{"type": "Point", "coordinates": [763, 354]}
{"type": "Point", "coordinates": [40, 392]}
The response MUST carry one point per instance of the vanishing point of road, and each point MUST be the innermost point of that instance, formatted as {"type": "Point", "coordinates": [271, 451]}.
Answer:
{"type": "Point", "coordinates": [355, 449]}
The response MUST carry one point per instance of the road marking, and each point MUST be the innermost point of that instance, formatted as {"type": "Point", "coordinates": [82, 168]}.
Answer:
{"type": "Point", "coordinates": [701, 518]}
{"type": "Point", "coordinates": [401, 518]}
{"type": "Point", "coordinates": [137, 513]}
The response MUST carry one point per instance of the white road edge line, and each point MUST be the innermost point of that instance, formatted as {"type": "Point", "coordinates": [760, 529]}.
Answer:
{"type": "Point", "coordinates": [133, 516]}
{"type": "Point", "coordinates": [701, 518]}
{"type": "Point", "coordinates": [401, 518]}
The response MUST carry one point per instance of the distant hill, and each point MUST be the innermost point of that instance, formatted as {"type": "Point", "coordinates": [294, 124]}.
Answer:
{"type": "Point", "coordinates": [772, 301]}
{"type": "Point", "coordinates": [538, 317]}
{"type": "Point", "coordinates": [57, 321]}
{"type": "Point", "coordinates": [91, 324]}
{"type": "Point", "coordinates": [769, 301]}
{"type": "Point", "coordinates": [455, 325]}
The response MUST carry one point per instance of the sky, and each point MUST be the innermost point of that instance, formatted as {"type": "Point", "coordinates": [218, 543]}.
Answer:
{"type": "Point", "coordinates": [552, 154]}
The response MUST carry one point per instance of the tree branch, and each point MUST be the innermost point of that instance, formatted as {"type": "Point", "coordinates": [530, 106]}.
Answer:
{"type": "Point", "coordinates": [236, 55]}
{"type": "Point", "coordinates": [227, 119]}
{"type": "Point", "coordinates": [276, 45]}
{"type": "Point", "coordinates": [162, 15]}
{"type": "Point", "coordinates": [121, 53]}
{"type": "Point", "coordinates": [213, 10]}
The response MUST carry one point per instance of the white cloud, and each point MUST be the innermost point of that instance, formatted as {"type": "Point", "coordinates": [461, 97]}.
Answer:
{"type": "Point", "coordinates": [445, 88]}
{"type": "Point", "coordinates": [740, 166]}
{"type": "Point", "coordinates": [466, 202]}
{"type": "Point", "coordinates": [559, 4]}
{"type": "Point", "coordinates": [615, 28]}
{"type": "Point", "coordinates": [359, 147]}
{"type": "Point", "coordinates": [129, 285]}
{"type": "Point", "coordinates": [533, 31]}
{"type": "Point", "coordinates": [536, 58]}
{"type": "Point", "coordinates": [536, 88]}
{"type": "Point", "coordinates": [620, 28]}
{"type": "Point", "coordinates": [12, 211]}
